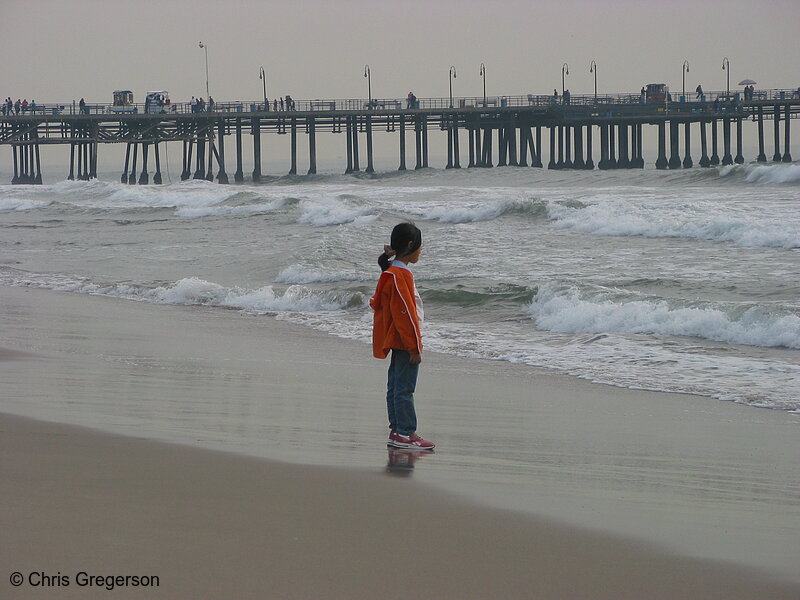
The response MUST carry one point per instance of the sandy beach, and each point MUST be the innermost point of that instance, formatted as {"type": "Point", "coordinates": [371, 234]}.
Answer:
{"type": "Point", "coordinates": [239, 456]}
{"type": "Point", "coordinates": [213, 525]}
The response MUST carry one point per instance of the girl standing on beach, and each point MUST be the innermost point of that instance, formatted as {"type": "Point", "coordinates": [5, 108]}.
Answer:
{"type": "Point", "coordinates": [397, 328]}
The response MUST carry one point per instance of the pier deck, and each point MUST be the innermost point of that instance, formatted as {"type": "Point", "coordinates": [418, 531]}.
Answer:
{"type": "Point", "coordinates": [515, 121]}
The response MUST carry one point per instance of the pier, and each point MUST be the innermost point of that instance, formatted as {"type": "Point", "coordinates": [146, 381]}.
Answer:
{"type": "Point", "coordinates": [499, 130]}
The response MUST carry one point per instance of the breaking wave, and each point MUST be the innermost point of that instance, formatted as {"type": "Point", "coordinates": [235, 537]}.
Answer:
{"type": "Point", "coordinates": [21, 204]}
{"type": "Point", "coordinates": [567, 309]}
{"type": "Point", "coordinates": [483, 211]}
{"type": "Point", "coordinates": [325, 214]}
{"type": "Point", "coordinates": [192, 291]}
{"type": "Point", "coordinates": [623, 218]}
{"type": "Point", "coordinates": [764, 174]}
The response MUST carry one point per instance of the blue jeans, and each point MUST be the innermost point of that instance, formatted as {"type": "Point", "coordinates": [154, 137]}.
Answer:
{"type": "Point", "coordinates": [402, 382]}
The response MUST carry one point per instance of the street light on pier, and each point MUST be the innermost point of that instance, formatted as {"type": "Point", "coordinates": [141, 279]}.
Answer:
{"type": "Point", "coordinates": [593, 69]}
{"type": "Point", "coordinates": [205, 47]}
{"type": "Point", "coordinates": [368, 75]}
{"type": "Point", "coordinates": [262, 75]}
{"type": "Point", "coordinates": [564, 70]}
{"type": "Point", "coordinates": [483, 74]}
{"type": "Point", "coordinates": [452, 76]}
{"type": "Point", "coordinates": [726, 66]}
{"type": "Point", "coordinates": [685, 71]}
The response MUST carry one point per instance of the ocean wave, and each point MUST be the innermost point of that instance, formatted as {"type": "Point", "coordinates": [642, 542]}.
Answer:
{"type": "Point", "coordinates": [326, 214]}
{"type": "Point", "coordinates": [111, 195]}
{"type": "Point", "coordinates": [764, 174]}
{"type": "Point", "coordinates": [22, 204]}
{"type": "Point", "coordinates": [193, 291]}
{"type": "Point", "coordinates": [623, 218]}
{"type": "Point", "coordinates": [485, 211]}
{"type": "Point", "coordinates": [296, 298]}
{"type": "Point", "coordinates": [458, 296]}
{"type": "Point", "coordinates": [299, 274]}
{"type": "Point", "coordinates": [566, 309]}
{"type": "Point", "coordinates": [221, 210]}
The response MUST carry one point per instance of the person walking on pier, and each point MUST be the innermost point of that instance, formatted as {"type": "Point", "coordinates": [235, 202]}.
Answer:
{"type": "Point", "coordinates": [17, 106]}
{"type": "Point", "coordinates": [193, 104]}
{"type": "Point", "coordinates": [82, 107]}
{"type": "Point", "coordinates": [698, 92]}
{"type": "Point", "coordinates": [281, 103]}
{"type": "Point", "coordinates": [210, 104]}
{"type": "Point", "coordinates": [396, 329]}
{"type": "Point", "coordinates": [275, 105]}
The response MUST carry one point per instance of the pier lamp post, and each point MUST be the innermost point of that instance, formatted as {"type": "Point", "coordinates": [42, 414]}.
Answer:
{"type": "Point", "coordinates": [262, 75]}
{"type": "Point", "coordinates": [726, 66]}
{"type": "Point", "coordinates": [205, 47]}
{"type": "Point", "coordinates": [452, 76]}
{"type": "Point", "coordinates": [368, 75]}
{"type": "Point", "coordinates": [593, 69]}
{"type": "Point", "coordinates": [564, 71]}
{"type": "Point", "coordinates": [685, 71]}
{"type": "Point", "coordinates": [483, 74]}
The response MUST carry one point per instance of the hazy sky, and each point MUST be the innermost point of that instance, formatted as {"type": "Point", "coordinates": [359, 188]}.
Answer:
{"type": "Point", "coordinates": [58, 50]}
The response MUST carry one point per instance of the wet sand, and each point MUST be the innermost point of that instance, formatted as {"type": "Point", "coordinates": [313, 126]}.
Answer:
{"type": "Point", "coordinates": [617, 494]}
{"type": "Point", "coordinates": [216, 525]}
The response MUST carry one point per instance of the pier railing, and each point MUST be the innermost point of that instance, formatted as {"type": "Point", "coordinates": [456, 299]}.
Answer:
{"type": "Point", "coordinates": [709, 99]}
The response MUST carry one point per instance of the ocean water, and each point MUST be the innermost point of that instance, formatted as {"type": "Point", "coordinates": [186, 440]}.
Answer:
{"type": "Point", "coordinates": [684, 281]}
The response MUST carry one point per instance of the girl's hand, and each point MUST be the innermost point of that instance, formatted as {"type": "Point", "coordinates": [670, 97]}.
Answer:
{"type": "Point", "coordinates": [415, 358]}
{"type": "Point", "coordinates": [387, 250]}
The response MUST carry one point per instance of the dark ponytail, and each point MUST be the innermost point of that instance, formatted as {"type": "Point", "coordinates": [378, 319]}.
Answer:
{"type": "Point", "coordinates": [406, 239]}
{"type": "Point", "coordinates": [383, 261]}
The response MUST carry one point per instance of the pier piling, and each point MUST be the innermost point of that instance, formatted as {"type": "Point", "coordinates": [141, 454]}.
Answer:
{"type": "Point", "coordinates": [687, 146]}
{"type": "Point", "coordinates": [727, 159]}
{"type": "Point", "coordinates": [714, 160]}
{"type": "Point", "coordinates": [787, 155]}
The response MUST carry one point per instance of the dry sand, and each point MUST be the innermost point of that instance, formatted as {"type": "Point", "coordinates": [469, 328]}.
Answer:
{"type": "Point", "coordinates": [215, 525]}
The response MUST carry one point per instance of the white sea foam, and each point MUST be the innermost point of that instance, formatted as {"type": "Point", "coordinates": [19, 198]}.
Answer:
{"type": "Point", "coordinates": [22, 204]}
{"type": "Point", "coordinates": [566, 309]}
{"type": "Point", "coordinates": [698, 220]}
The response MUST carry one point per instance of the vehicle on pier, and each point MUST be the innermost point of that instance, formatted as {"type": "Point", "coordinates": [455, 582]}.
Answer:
{"type": "Point", "coordinates": [656, 93]}
{"type": "Point", "coordinates": [158, 102]}
{"type": "Point", "coordinates": [123, 102]}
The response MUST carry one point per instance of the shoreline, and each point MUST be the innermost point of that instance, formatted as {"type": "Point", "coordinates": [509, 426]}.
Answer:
{"type": "Point", "coordinates": [692, 476]}
{"type": "Point", "coordinates": [211, 524]}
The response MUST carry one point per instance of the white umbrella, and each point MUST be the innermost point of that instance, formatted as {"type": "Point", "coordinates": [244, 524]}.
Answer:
{"type": "Point", "coordinates": [747, 82]}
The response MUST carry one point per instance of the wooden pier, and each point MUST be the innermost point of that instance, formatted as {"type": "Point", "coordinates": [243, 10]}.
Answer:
{"type": "Point", "coordinates": [501, 131]}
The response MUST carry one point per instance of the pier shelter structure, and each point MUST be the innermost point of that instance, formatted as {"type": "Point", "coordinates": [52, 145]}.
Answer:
{"type": "Point", "coordinates": [589, 132]}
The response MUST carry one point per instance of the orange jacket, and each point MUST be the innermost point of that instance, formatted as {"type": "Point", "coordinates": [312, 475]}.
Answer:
{"type": "Point", "coordinates": [396, 322]}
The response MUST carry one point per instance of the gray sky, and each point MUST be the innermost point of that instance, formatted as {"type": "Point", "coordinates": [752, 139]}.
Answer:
{"type": "Point", "coordinates": [59, 50]}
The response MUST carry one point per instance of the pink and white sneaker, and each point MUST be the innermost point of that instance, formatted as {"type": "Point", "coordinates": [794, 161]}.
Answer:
{"type": "Point", "coordinates": [413, 441]}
